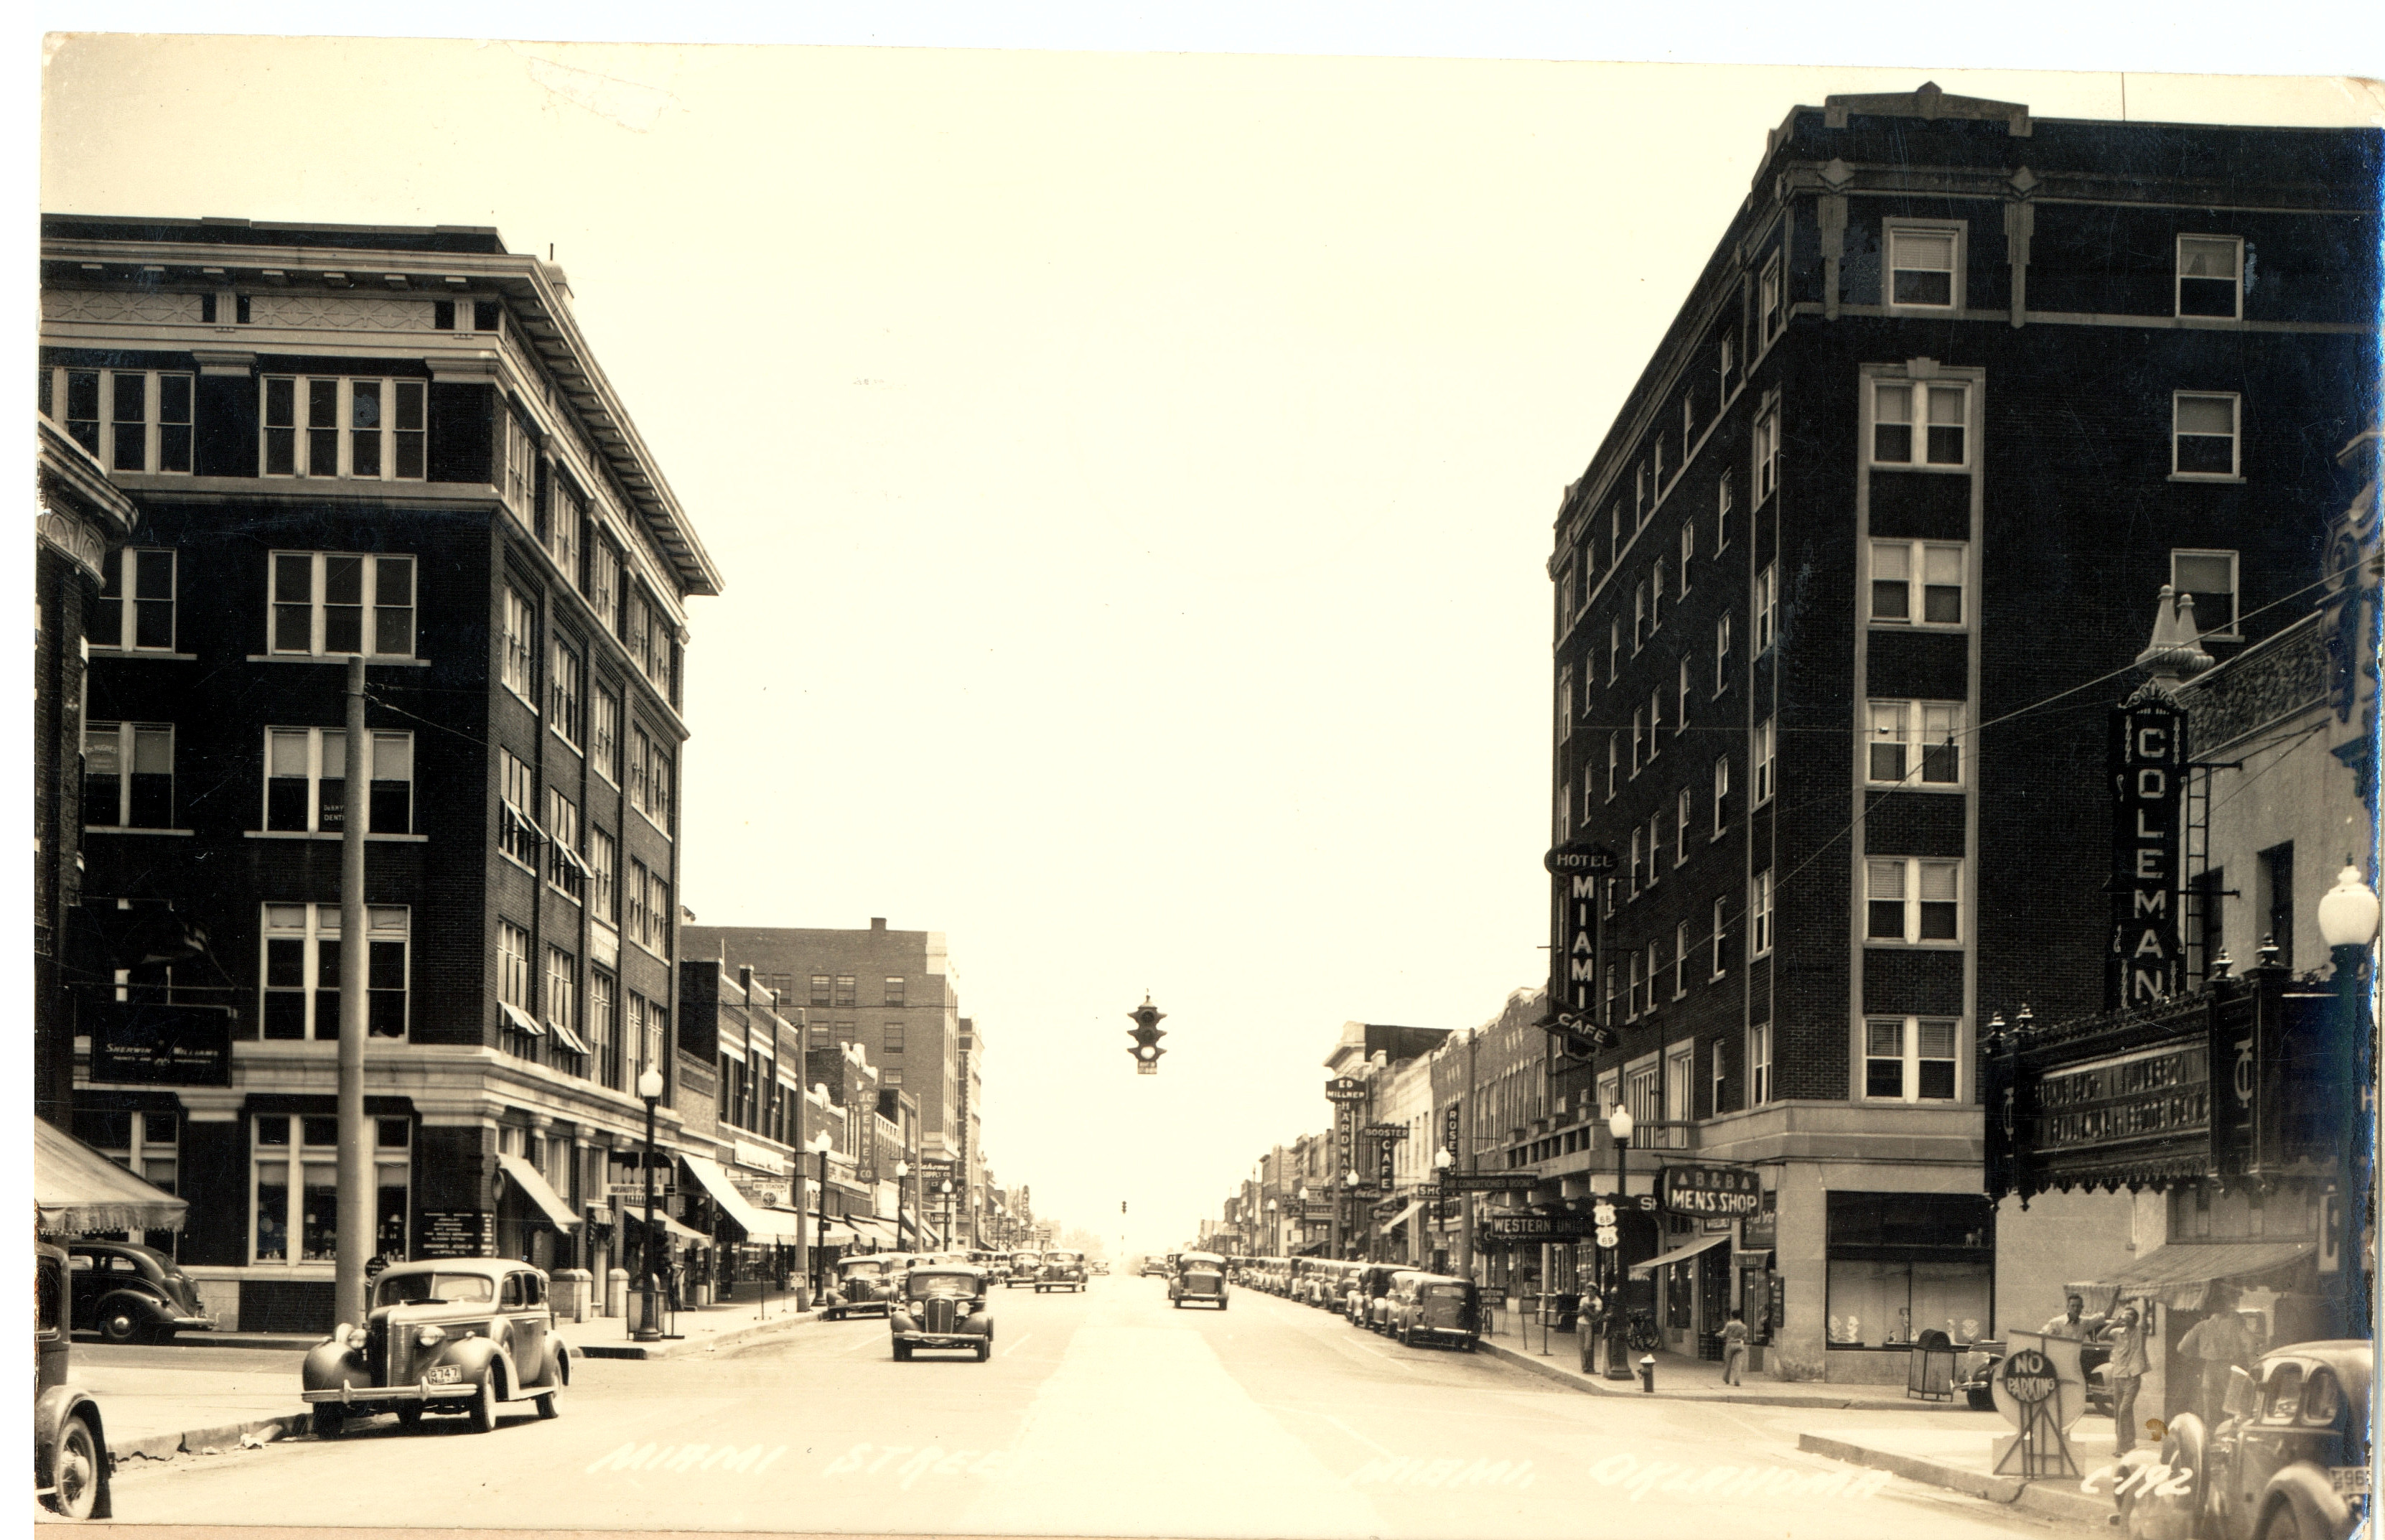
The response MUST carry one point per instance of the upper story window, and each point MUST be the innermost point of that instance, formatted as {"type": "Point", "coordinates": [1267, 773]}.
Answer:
{"type": "Point", "coordinates": [129, 418]}
{"type": "Point", "coordinates": [359, 429]}
{"type": "Point", "coordinates": [650, 641]}
{"type": "Point", "coordinates": [300, 992]}
{"type": "Point", "coordinates": [565, 685]}
{"type": "Point", "coordinates": [894, 993]}
{"type": "Point", "coordinates": [1909, 1059]}
{"type": "Point", "coordinates": [1762, 756]}
{"type": "Point", "coordinates": [604, 871]}
{"type": "Point", "coordinates": [604, 734]}
{"type": "Point", "coordinates": [1613, 761]}
{"type": "Point", "coordinates": [1723, 361]}
{"type": "Point", "coordinates": [819, 996]}
{"type": "Point", "coordinates": [1767, 455]}
{"type": "Point", "coordinates": [306, 781]}
{"type": "Point", "coordinates": [2203, 434]}
{"type": "Point", "coordinates": [565, 513]}
{"type": "Point", "coordinates": [1922, 263]}
{"type": "Point", "coordinates": [1722, 512]}
{"type": "Point", "coordinates": [603, 585]}
{"type": "Point", "coordinates": [844, 990]}
{"type": "Point", "coordinates": [481, 313]}
{"type": "Point", "coordinates": [2210, 276]}
{"type": "Point", "coordinates": [519, 471]}
{"type": "Point", "coordinates": [1940, 411]}
{"type": "Point", "coordinates": [1918, 582]}
{"type": "Point", "coordinates": [1565, 595]}
{"type": "Point", "coordinates": [2209, 578]}
{"type": "Point", "coordinates": [565, 870]}
{"type": "Point", "coordinates": [128, 775]}
{"type": "Point", "coordinates": [1639, 614]}
{"type": "Point", "coordinates": [327, 603]}
{"type": "Point", "coordinates": [518, 664]}
{"type": "Point", "coordinates": [518, 832]}
{"type": "Point", "coordinates": [1613, 648]}
{"type": "Point", "coordinates": [651, 773]}
{"type": "Point", "coordinates": [1759, 914]}
{"type": "Point", "coordinates": [1721, 795]}
{"type": "Point", "coordinates": [1656, 597]}
{"type": "Point", "coordinates": [1915, 742]}
{"type": "Point", "coordinates": [1640, 495]}
{"type": "Point", "coordinates": [1689, 550]}
{"type": "Point", "coordinates": [1767, 607]}
{"type": "Point", "coordinates": [1722, 652]}
{"type": "Point", "coordinates": [1770, 313]}
{"type": "Point", "coordinates": [143, 620]}
{"type": "Point", "coordinates": [1909, 898]}
{"type": "Point", "coordinates": [1565, 702]}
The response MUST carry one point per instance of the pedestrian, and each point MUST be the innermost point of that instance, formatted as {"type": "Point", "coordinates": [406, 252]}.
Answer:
{"type": "Point", "coordinates": [1734, 1349]}
{"type": "Point", "coordinates": [1586, 1319]}
{"type": "Point", "coordinates": [2219, 1343]}
{"type": "Point", "coordinates": [2072, 1323]}
{"type": "Point", "coordinates": [2126, 1372]}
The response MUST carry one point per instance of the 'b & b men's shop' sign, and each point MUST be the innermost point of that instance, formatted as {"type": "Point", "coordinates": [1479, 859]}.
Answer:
{"type": "Point", "coordinates": [1711, 1190]}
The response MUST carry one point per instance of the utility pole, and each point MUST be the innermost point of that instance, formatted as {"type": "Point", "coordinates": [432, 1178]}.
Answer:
{"type": "Point", "coordinates": [353, 1240]}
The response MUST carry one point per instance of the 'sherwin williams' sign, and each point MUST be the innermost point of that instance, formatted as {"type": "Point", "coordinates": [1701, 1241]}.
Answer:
{"type": "Point", "coordinates": [2149, 770]}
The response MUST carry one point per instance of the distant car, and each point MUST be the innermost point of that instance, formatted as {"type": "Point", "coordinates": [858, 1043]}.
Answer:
{"type": "Point", "coordinates": [1025, 1267]}
{"type": "Point", "coordinates": [1429, 1307]}
{"type": "Point", "coordinates": [70, 1459]}
{"type": "Point", "coordinates": [129, 1293]}
{"type": "Point", "coordinates": [865, 1285]}
{"type": "Point", "coordinates": [1200, 1278]}
{"type": "Point", "coordinates": [943, 1306]}
{"type": "Point", "coordinates": [461, 1334]}
{"type": "Point", "coordinates": [1154, 1268]}
{"type": "Point", "coordinates": [1062, 1270]}
{"type": "Point", "coordinates": [1100, 1270]}
{"type": "Point", "coordinates": [2290, 1457]}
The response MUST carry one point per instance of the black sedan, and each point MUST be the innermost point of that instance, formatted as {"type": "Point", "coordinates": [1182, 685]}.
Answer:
{"type": "Point", "coordinates": [129, 1293]}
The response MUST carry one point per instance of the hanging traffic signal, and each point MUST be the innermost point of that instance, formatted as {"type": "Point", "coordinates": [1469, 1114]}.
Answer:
{"type": "Point", "coordinates": [1146, 1017]}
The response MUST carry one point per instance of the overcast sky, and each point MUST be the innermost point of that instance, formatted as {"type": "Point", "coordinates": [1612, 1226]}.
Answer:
{"type": "Point", "coordinates": [1132, 475]}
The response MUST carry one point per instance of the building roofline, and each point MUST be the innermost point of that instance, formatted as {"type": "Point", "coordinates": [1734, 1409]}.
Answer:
{"type": "Point", "coordinates": [434, 260]}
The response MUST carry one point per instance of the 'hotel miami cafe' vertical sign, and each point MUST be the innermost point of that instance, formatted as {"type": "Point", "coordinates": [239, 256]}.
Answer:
{"type": "Point", "coordinates": [2149, 769]}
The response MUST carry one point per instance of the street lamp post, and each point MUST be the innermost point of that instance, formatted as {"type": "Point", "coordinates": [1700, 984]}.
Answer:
{"type": "Point", "coordinates": [1619, 1363]}
{"type": "Point", "coordinates": [1441, 1161]}
{"type": "Point", "coordinates": [650, 1090]}
{"type": "Point", "coordinates": [902, 1180]}
{"type": "Point", "coordinates": [1367, 1247]}
{"type": "Point", "coordinates": [946, 1189]}
{"type": "Point", "coordinates": [820, 1145]}
{"type": "Point", "coordinates": [2347, 923]}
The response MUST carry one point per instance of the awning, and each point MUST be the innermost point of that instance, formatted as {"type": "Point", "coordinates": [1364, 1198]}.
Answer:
{"type": "Point", "coordinates": [77, 1191]}
{"type": "Point", "coordinates": [533, 1186]}
{"type": "Point", "coordinates": [837, 1232]}
{"type": "Point", "coordinates": [760, 1229]}
{"type": "Point", "coordinates": [2179, 1275]}
{"type": "Point", "coordinates": [570, 1038]}
{"type": "Point", "coordinates": [1678, 1254]}
{"type": "Point", "coordinates": [522, 1021]}
{"type": "Point", "coordinates": [673, 1227]}
{"type": "Point", "coordinates": [911, 1228]}
{"type": "Point", "coordinates": [1402, 1217]}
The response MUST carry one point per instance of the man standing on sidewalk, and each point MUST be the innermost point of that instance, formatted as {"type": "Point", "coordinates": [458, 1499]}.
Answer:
{"type": "Point", "coordinates": [2218, 1343]}
{"type": "Point", "coordinates": [2127, 1372]}
{"type": "Point", "coordinates": [1734, 1349]}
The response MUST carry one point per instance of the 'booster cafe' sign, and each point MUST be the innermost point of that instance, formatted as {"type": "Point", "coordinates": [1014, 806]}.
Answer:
{"type": "Point", "coordinates": [2149, 770]}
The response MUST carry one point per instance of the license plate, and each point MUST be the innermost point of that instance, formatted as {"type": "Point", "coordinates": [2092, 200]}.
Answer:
{"type": "Point", "coordinates": [445, 1374]}
{"type": "Point", "coordinates": [2351, 1481]}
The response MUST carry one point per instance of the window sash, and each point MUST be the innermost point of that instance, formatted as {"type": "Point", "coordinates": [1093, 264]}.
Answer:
{"type": "Point", "coordinates": [343, 427]}
{"type": "Point", "coordinates": [1911, 1058]}
{"type": "Point", "coordinates": [2210, 281]}
{"type": "Point", "coordinates": [2206, 434]}
{"type": "Point", "coordinates": [328, 602]}
{"type": "Point", "coordinates": [128, 778]}
{"type": "Point", "coordinates": [1911, 899]}
{"type": "Point", "coordinates": [130, 420]}
{"type": "Point", "coordinates": [136, 612]}
{"type": "Point", "coordinates": [2209, 577]}
{"type": "Point", "coordinates": [1919, 582]}
{"type": "Point", "coordinates": [1759, 914]}
{"type": "Point", "coordinates": [1921, 264]}
{"type": "Point", "coordinates": [298, 977]}
{"type": "Point", "coordinates": [306, 774]}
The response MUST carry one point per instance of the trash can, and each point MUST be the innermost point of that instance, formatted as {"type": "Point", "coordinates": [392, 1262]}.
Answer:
{"type": "Point", "coordinates": [1930, 1373]}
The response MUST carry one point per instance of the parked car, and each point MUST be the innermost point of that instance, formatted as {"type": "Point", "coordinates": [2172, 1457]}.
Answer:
{"type": "Point", "coordinates": [2290, 1456]}
{"type": "Point", "coordinates": [1025, 1267]}
{"type": "Point", "coordinates": [1429, 1307]}
{"type": "Point", "coordinates": [460, 1334]}
{"type": "Point", "coordinates": [1062, 1270]}
{"type": "Point", "coordinates": [1200, 1277]}
{"type": "Point", "coordinates": [1153, 1266]}
{"type": "Point", "coordinates": [129, 1293]}
{"type": "Point", "coordinates": [1378, 1307]}
{"type": "Point", "coordinates": [1369, 1282]}
{"type": "Point", "coordinates": [70, 1459]}
{"type": "Point", "coordinates": [943, 1304]}
{"type": "Point", "coordinates": [865, 1285]}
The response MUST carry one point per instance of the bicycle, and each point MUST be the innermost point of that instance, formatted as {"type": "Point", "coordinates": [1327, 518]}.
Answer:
{"type": "Point", "coordinates": [1641, 1333]}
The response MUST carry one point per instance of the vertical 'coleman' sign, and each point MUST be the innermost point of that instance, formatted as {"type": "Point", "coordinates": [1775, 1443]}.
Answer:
{"type": "Point", "coordinates": [1575, 873]}
{"type": "Point", "coordinates": [2149, 770]}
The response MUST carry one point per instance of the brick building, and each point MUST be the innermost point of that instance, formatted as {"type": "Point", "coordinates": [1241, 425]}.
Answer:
{"type": "Point", "coordinates": [893, 992]}
{"type": "Point", "coordinates": [392, 443]}
{"type": "Point", "coordinates": [1957, 388]}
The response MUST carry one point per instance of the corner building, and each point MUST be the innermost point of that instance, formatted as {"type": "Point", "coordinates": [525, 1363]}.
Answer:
{"type": "Point", "coordinates": [392, 443]}
{"type": "Point", "coordinates": [1958, 387]}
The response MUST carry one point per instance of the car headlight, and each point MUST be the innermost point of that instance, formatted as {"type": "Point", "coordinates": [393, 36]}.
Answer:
{"type": "Point", "coordinates": [430, 1336]}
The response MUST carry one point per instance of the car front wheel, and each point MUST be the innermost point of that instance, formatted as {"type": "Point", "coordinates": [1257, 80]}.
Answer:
{"type": "Point", "coordinates": [329, 1421]}
{"type": "Point", "coordinates": [550, 1405]}
{"type": "Point", "coordinates": [485, 1403]}
{"type": "Point", "coordinates": [902, 1352]}
{"type": "Point", "coordinates": [76, 1472]}
{"type": "Point", "coordinates": [409, 1417]}
{"type": "Point", "coordinates": [119, 1323]}
{"type": "Point", "coordinates": [2282, 1524]}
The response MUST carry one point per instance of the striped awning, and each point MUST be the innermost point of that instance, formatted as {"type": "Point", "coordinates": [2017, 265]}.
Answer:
{"type": "Point", "coordinates": [77, 1191]}
{"type": "Point", "coordinates": [2181, 1275]}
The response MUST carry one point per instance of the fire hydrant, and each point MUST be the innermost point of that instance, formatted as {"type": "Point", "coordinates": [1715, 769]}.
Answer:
{"type": "Point", "coordinates": [1648, 1374]}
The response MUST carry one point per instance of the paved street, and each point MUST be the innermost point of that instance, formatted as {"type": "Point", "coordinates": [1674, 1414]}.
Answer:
{"type": "Point", "coordinates": [1106, 1413]}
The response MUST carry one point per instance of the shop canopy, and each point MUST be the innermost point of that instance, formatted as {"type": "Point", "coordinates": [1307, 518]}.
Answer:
{"type": "Point", "coordinates": [1678, 1254]}
{"type": "Point", "coordinates": [759, 1227]}
{"type": "Point", "coordinates": [77, 1191]}
{"type": "Point", "coordinates": [2181, 1276]}
{"type": "Point", "coordinates": [1402, 1217]}
{"type": "Point", "coordinates": [535, 1187]}
{"type": "Point", "coordinates": [911, 1228]}
{"type": "Point", "coordinates": [673, 1228]}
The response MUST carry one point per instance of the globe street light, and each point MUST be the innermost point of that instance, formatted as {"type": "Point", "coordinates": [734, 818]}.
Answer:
{"type": "Point", "coordinates": [1618, 1366]}
{"type": "Point", "coordinates": [2347, 923]}
{"type": "Point", "coordinates": [902, 1180]}
{"type": "Point", "coordinates": [650, 1090]}
{"type": "Point", "coordinates": [946, 1188]}
{"type": "Point", "coordinates": [820, 1144]}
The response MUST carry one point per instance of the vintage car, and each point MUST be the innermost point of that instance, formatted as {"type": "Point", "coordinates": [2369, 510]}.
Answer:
{"type": "Point", "coordinates": [70, 1459]}
{"type": "Point", "coordinates": [943, 1304]}
{"type": "Point", "coordinates": [2287, 1458]}
{"type": "Point", "coordinates": [1200, 1277]}
{"type": "Point", "coordinates": [129, 1293]}
{"type": "Point", "coordinates": [865, 1285]}
{"type": "Point", "coordinates": [1429, 1307]}
{"type": "Point", "coordinates": [460, 1334]}
{"type": "Point", "coordinates": [1368, 1282]}
{"type": "Point", "coordinates": [1101, 1269]}
{"type": "Point", "coordinates": [1154, 1267]}
{"type": "Point", "coordinates": [1378, 1307]}
{"type": "Point", "coordinates": [1062, 1270]}
{"type": "Point", "coordinates": [1025, 1267]}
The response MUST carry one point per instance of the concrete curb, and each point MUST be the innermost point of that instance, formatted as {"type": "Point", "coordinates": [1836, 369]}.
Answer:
{"type": "Point", "coordinates": [2057, 1500]}
{"type": "Point", "coordinates": [198, 1440]}
{"type": "Point", "coordinates": [1551, 1366]}
{"type": "Point", "coordinates": [621, 1349]}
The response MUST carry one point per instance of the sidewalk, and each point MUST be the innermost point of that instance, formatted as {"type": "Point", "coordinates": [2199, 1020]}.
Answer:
{"type": "Point", "coordinates": [1959, 1459]}
{"type": "Point", "coordinates": [1683, 1378]}
{"type": "Point", "coordinates": [158, 1411]}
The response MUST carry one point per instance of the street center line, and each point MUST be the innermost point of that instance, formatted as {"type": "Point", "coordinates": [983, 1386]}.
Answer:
{"type": "Point", "coordinates": [1019, 1344]}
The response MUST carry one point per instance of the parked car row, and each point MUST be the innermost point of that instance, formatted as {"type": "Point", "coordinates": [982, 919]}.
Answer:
{"type": "Point", "coordinates": [1411, 1303]}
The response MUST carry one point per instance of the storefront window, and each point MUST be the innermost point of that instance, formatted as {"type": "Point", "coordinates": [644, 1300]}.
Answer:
{"type": "Point", "coordinates": [300, 1156]}
{"type": "Point", "coordinates": [1901, 1263]}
